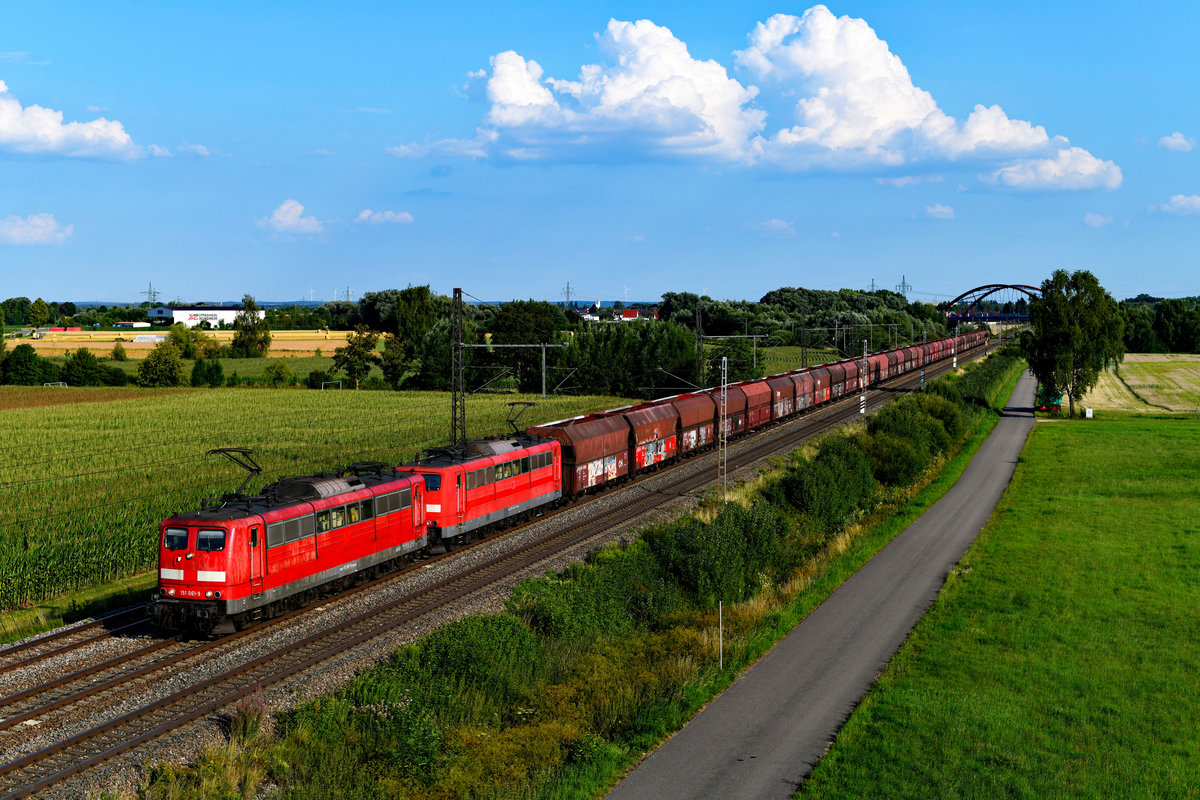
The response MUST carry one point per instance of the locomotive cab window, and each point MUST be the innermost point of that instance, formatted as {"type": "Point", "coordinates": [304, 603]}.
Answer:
{"type": "Point", "coordinates": [210, 540]}
{"type": "Point", "coordinates": [254, 537]}
{"type": "Point", "coordinates": [433, 482]}
{"type": "Point", "coordinates": [175, 539]}
{"type": "Point", "coordinates": [368, 508]}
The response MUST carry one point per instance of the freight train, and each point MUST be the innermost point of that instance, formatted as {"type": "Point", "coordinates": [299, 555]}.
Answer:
{"type": "Point", "coordinates": [248, 558]}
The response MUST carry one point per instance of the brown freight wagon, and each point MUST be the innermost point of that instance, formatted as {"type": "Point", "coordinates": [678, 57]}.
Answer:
{"type": "Point", "coordinates": [652, 429]}
{"type": "Point", "coordinates": [735, 409]}
{"type": "Point", "coordinates": [595, 450]}
{"type": "Point", "coordinates": [837, 379]}
{"type": "Point", "coordinates": [805, 388]}
{"type": "Point", "coordinates": [758, 403]}
{"type": "Point", "coordinates": [783, 396]}
{"type": "Point", "coordinates": [697, 420]}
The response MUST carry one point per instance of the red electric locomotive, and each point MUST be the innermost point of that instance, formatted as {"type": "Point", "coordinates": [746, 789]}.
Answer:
{"type": "Point", "coordinates": [249, 558]}
{"type": "Point", "coordinates": [493, 483]}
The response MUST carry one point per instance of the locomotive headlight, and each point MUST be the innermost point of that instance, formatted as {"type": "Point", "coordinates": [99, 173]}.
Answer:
{"type": "Point", "coordinates": [208, 594]}
{"type": "Point", "coordinates": [170, 592]}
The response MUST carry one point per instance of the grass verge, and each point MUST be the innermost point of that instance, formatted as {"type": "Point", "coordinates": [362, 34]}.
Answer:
{"type": "Point", "coordinates": [1061, 657]}
{"type": "Point", "coordinates": [19, 623]}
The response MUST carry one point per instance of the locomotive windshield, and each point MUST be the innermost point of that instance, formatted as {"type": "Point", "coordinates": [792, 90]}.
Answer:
{"type": "Point", "coordinates": [210, 540]}
{"type": "Point", "coordinates": [432, 482]}
{"type": "Point", "coordinates": [175, 539]}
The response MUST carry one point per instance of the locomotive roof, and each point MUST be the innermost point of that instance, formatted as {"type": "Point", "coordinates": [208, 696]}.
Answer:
{"type": "Point", "coordinates": [476, 449]}
{"type": "Point", "coordinates": [291, 491]}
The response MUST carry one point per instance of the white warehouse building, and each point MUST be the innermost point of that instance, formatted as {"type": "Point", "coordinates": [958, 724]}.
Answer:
{"type": "Point", "coordinates": [192, 316]}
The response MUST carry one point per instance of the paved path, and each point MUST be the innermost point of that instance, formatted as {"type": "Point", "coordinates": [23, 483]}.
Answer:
{"type": "Point", "coordinates": [764, 734]}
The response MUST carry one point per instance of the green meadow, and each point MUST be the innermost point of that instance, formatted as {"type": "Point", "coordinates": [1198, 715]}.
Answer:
{"type": "Point", "coordinates": [1062, 658]}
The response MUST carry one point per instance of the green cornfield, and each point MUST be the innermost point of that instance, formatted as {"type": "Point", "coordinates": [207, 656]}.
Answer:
{"type": "Point", "coordinates": [87, 475]}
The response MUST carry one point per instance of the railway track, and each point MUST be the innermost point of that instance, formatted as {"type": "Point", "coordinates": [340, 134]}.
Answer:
{"type": "Point", "coordinates": [20, 656]}
{"type": "Point", "coordinates": [36, 771]}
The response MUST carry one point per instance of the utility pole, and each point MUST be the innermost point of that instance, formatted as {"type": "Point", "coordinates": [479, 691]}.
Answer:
{"type": "Point", "coordinates": [568, 293]}
{"type": "Point", "coordinates": [862, 383]}
{"type": "Point", "coordinates": [723, 441]}
{"type": "Point", "coordinates": [699, 348]}
{"type": "Point", "coordinates": [803, 341]}
{"type": "Point", "coordinates": [458, 393]}
{"type": "Point", "coordinates": [904, 287]}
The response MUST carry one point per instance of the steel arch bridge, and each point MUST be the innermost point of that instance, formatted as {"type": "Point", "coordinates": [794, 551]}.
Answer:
{"type": "Point", "coordinates": [992, 303]}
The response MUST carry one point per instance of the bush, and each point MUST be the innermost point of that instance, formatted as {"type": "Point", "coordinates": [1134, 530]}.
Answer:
{"type": "Point", "coordinates": [279, 373]}
{"type": "Point", "coordinates": [163, 367]}
{"type": "Point", "coordinates": [894, 461]}
{"type": "Point", "coordinates": [833, 487]}
{"type": "Point", "coordinates": [118, 353]}
{"type": "Point", "coordinates": [208, 373]}
{"type": "Point", "coordinates": [115, 376]}
{"type": "Point", "coordinates": [316, 378]}
{"type": "Point", "coordinates": [82, 368]}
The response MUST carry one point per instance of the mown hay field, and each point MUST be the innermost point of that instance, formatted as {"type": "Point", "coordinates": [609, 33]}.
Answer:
{"type": "Point", "coordinates": [283, 343]}
{"type": "Point", "coordinates": [1149, 383]}
{"type": "Point", "coordinates": [85, 484]}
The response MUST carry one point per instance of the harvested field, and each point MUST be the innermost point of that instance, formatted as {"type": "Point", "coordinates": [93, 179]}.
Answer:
{"type": "Point", "coordinates": [290, 343]}
{"type": "Point", "coordinates": [1150, 383]}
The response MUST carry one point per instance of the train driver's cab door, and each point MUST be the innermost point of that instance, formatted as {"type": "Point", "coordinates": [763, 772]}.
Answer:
{"type": "Point", "coordinates": [257, 546]}
{"type": "Point", "coordinates": [460, 496]}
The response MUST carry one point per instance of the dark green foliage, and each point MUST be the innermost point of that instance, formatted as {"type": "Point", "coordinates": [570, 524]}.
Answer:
{"type": "Point", "coordinates": [631, 359]}
{"type": "Point", "coordinates": [24, 367]}
{"type": "Point", "coordinates": [162, 367]}
{"type": "Point", "coordinates": [831, 488]}
{"type": "Point", "coordinates": [278, 373]}
{"type": "Point", "coordinates": [208, 372]}
{"type": "Point", "coordinates": [1077, 331]}
{"type": "Point", "coordinates": [395, 362]}
{"type": "Point", "coordinates": [316, 378]}
{"type": "Point", "coordinates": [39, 314]}
{"type": "Point", "coordinates": [252, 334]}
{"type": "Point", "coordinates": [619, 590]}
{"type": "Point", "coordinates": [357, 355]}
{"type": "Point", "coordinates": [82, 368]}
{"type": "Point", "coordinates": [115, 376]}
{"type": "Point", "coordinates": [118, 353]}
{"type": "Point", "coordinates": [722, 559]}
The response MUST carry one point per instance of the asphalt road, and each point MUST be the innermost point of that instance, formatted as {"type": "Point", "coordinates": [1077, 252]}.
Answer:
{"type": "Point", "coordinates": [764, 734]}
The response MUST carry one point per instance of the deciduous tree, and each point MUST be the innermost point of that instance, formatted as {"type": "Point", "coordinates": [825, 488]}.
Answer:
{"type": "Point", "coordinates": [1077, 331]}
{"type": "Point", "coordinates": [252, 332]}
{"type": "Point", "coordinates": [357, 355]}
{"type": "Point", "coordinates": [162, 367]}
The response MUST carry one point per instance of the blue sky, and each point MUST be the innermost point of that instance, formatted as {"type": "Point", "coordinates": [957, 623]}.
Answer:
{"type": "Point", "coordinates": [627, 148]}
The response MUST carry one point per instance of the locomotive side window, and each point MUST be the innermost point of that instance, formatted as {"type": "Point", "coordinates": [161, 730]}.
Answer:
{"type": "Point", "coordinates": [352, 514]}
{"type": "Point", "coordinates": [210, 540]}
{"type": "Point", "coordinates": [525, 465]}
{"type": "Point", "coordinates": [368, 508]}
{"type": "Point", "coordinates": [405, 498]}
{"type": "Point", "coordinates": [337, 517]}
{"type": "Point", "coordinates": [322, 521]}
{"type": "Point", "coordinates": [275, 535]}
{"type": "Point", "coordinates": [175, 539]}
{"type": "Point", "coordinates": [305, 526]}
{"type": "Point", "coordinates": [254, 537]}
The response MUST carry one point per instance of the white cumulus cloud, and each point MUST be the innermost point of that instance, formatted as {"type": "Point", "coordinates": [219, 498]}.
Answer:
{"type": "Point", "coordinates": [829, 95]}
{"type": "Point", "coordinates": [939, 211]}
{"type": "Point", "coordinates": [34, 130]}
{"type": "Point", "coordinates": [289, 218]}
{"type": "Point", "coordinates": [1183, 205]}
{"type": "Point", "coordinates": [772, 227]}
{"type": "Point", "coordinates": [381, 217]}
{"type": "Point", "coordinates": [1096, 220]}
{"type": "Point", "coordinates": [1070, 168]}
{"type": "Point", "coordinates": [649, 98]}
{"type": "Point", "coordinates": [34, 229]}
{"type": "Point", "coordinates": [1177, 143]}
